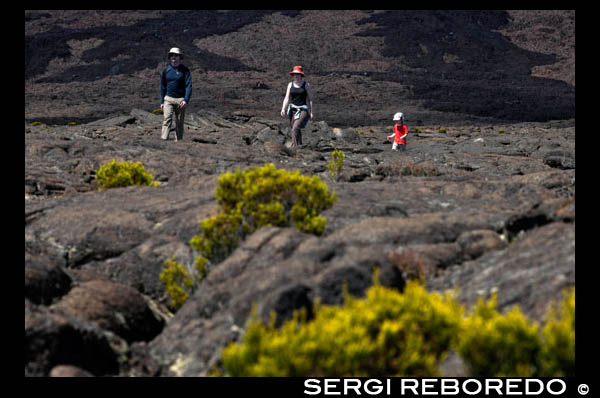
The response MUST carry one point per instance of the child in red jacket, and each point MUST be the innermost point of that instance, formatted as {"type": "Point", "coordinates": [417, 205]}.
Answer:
{"type": "Point", "coordinates": [400, 133]}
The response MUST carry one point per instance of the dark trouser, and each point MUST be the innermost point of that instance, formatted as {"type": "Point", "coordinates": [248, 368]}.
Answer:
{"type": "Point", "coordinates": [296, 126]}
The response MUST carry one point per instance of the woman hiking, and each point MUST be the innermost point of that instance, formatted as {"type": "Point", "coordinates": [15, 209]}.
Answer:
{"type": "Point", "coordinates": [297, 104]}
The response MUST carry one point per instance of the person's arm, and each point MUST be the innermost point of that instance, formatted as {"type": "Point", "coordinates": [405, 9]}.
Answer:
{"type": "Point", "coordinates": [188, 88]}
{"type": "Point", "coordinates": [163, 89]}
{"type": "Point", "coordinates": [405, 131]}
{"type": "Point", "coordinates": [286, 100]}
{"type": "Point", "coordinates": [310, 103]}
{"type": "Point", "coordinates": [394, 130]}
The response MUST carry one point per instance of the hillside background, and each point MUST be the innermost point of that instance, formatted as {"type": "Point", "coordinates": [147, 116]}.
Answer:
{"type": "Point", "coordinates": [435, 66]}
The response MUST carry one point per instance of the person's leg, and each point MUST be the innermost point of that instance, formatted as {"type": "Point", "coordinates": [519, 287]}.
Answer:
{"type": "Point", "coordinates": [168, 111]}
{"type": "Point", "coordinates": [394, 147]}
{"type": "Point", "coordinates": [296, 130]}
{"type": "Point", "coordinates": [293, 143]}
{"type": "Point", "coordinates": [179, 119]}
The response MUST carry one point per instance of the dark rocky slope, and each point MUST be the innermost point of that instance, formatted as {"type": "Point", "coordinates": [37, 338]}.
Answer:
{"type": "Point", "coordinates": [438, 66]}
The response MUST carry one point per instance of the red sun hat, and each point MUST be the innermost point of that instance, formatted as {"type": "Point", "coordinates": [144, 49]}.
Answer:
{"type": "Point", "coordinates": [297, 69]}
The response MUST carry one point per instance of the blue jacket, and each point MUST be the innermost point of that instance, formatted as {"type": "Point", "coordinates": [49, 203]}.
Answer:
{"type": "Point", "coordinates": [176, 83]}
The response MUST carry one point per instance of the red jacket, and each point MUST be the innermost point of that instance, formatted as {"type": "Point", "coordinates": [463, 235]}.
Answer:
{"type": "Point", "coordinates": [400, 133]}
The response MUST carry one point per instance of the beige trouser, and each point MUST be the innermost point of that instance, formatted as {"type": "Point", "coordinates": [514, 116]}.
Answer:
{"type": "Point", "coordinates": [172, 108]}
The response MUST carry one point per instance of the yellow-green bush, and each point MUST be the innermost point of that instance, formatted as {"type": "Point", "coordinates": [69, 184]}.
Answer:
{"type": "Point", "coordinates": [494, 344]}
{"type": "Point", "coordinates": [336, 164]}
{"type": "Point", "coordinates": [557, 358]}
{"type": "Point", "coordinates": [178, 283]}
{"type": "Point", "coordinates": [387, 333]}
{"type": "Point", "coordinates": [407, 334]}
{"type": "Point", "coordinates": [258, 197]}
{"type": "Point", "coordinates": [123, 174]}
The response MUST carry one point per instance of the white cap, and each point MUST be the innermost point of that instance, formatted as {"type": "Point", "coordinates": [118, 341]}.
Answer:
{"type": "Point", "coordinates": [176, 50]}
{"type": "Point", "coordinates": [399, 116]}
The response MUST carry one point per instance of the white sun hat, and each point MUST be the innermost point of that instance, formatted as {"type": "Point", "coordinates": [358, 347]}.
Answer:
{"type": "Point", "coordinates": [176, 50]}
{"type": "Point", "coordinates": [399, 116]}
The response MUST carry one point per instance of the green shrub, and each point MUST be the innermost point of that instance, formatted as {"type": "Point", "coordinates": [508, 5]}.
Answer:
{"type": "Point", "coordinates": [336, 164]}
{"type": "Point", "coordinates": [123, 174]}
{"type": "Point", "coordinates": [72, 124]}
{"type": "Point", "coordinates": [258, 197]}
{"type": "Point", "coordinates": [36, 124]}
{"type": "Point", "coordinates": [511, 345]}
{"type": "Point", "coordinates": [558, 352]}
{"type": "Point", "coordinates": [158, 111]}
{"type": "Point", "coordinates": [442, 130]}
{"type": "Point", "coordinates": [387, 333]}
{"type": "Point", "coordinates": [178, 283]}
{"type": "Point", "coordinates": [417, 130]}
{"type": "Point", "coordinates": [406, 334]}
{"type": "Point", "coordinates": [493, 344]}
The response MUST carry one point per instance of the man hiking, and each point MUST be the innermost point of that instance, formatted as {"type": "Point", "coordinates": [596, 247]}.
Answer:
{"type": "Point", "coordinates": [175, 92]}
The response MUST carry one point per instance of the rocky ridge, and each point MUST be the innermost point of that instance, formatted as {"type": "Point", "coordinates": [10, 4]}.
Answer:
{"type": "Point", "coordinates": [477, 210]}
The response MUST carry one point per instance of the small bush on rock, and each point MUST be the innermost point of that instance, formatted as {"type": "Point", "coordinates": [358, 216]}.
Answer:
{"type": "Point", "coordinates": [178, 283]}
{"type": "Point", "coordinates": [336, 164]}
{"type": "Point", "coordinates": [123, 174]}
{"type": "Point", "coordinates": [259, 197]}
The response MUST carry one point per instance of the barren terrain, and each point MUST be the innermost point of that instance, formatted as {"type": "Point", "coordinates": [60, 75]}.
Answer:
{"type": "Point", "coordinates": [484, 196]}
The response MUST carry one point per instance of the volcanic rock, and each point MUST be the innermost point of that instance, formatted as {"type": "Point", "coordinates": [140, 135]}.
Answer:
{"type": "Point", "coordinates": [482, 200]}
